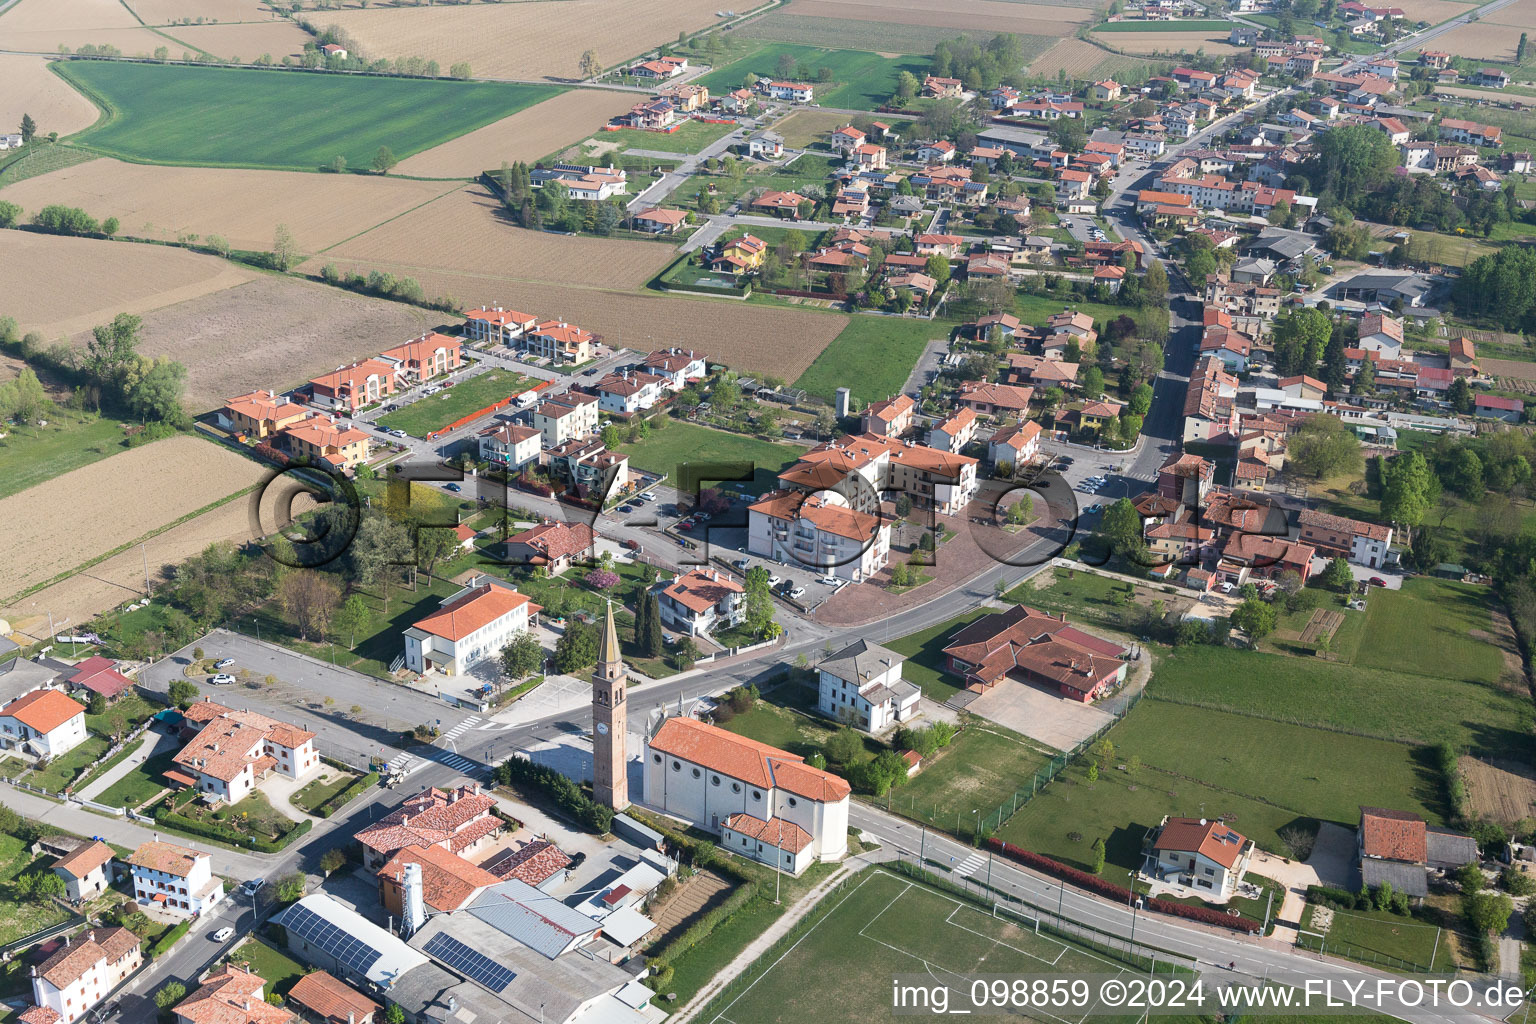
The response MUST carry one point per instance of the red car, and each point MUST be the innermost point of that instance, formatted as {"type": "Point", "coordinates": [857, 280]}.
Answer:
{"type": "Point", "coordinates": [686, 526]}
{"type": "Point", "coordinates": [1376, 581]}
{"type": "Point", "coordinates": [631, 543]}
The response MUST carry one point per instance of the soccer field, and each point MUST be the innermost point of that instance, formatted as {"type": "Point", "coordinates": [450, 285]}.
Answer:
{"type": "Point", "coordinates": [885, 925]}
{"type": "Point", "coordinates": [291, 120]}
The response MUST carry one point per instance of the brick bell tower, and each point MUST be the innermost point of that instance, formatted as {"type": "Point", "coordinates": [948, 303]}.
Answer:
{"type": "Point", "coordinates": [610, 783]}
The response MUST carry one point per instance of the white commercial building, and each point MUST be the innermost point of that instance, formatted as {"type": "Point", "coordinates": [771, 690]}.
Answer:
{"type": "Point", "coordinates": [471, 626]}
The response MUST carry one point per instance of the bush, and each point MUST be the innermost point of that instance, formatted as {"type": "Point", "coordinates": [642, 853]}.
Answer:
{"type": "Point", "coordinates": [566, 794]}
{"type": "Point", "coordinates": [1517, 882]}
{"type": "Point", "coordinates": [169, 819]}
{"type": "Point", "coordinates": [165, 942]}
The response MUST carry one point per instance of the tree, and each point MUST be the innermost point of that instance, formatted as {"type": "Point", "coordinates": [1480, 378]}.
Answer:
{"type": "Point", "coordinates": [1140, 401]}
{"type": "Point", "coordinates": [1254, 617]}
{"type": "Point", "coordinates": [28, 129]}
{"type": "Point", "coordinates": [110, 352]}
{"type": "Point", "coordinates": [351, 617]}
{"type": "Point", "coordinates": [843, 746]}
{"type": "Point", "coordinates": [1323, 446]}
{"type": "Point", "coordinates": [310, 600]}
{"type": "Point", "coordinates": [1300, 338]}
{"type": "Point", "coordinates": [757, 604]}
{"type": "Point", "coordinates": [589, 63]}
{"type": "Point", "coordinates": [906, 87]}
{"type": "Point", "coordinates": [1093, 772]}
{"type": "Point", "coordinates": [1470, 877]}
{"type": "Point", "coordinates": [171, 993]}
{"type": "Point", "coordinates": [384, 161]}
{"type": "Point", "coordinates": [1093, 382]}
{"type": "Point", "coordinates": [1520, 49]}
{"type": "Point", "coordinates": [576, 650]}
{"type": "Point", "coordinates": [10, 214]}
{"type": "Point", "coordinates": [686, 655]}
{"type": "Point", "coordinates": [290, 888]}
{"type": "Point", "coordinates": [394, 1014]}
{"type": "Point", "coordinates": [24, 399]}
{"type": "Point", "coordinates": [1461, 395]}
{"type": "Point", "coordinates": [331, 861]}
{"type": "Point", "coordinates": [152, 389]}
{"type": "Point", "coordinates": [1071, 134]}
{"type": "Point", "coordinates": [459, 70]}
{"type": "Point", "coordinates": [285, 250]}
{"type": "Point", "coordinates": [182, 693]}
{"type": "Point", "coordinates": [1408, 488]}
{"type": "Point", "coordinates": [1351, 162]}
{"type": "Point", "coordinates": [1338, 575]}
{"type": "Point", "coordinates": [522, 657]}
{"type": "Point", "coordinates": [109, 226]}
{"type": "Point", "coordinates": [653, 633]}
{"type": "Point", "coordinates": [1487, 913]}
{"type": "Point", "coordinates": [1121, 526]}
{"type": "Point", "coordinates": [1365, 378]}
{"type": "Point", "coordinates": [1098, 856]}
{"type": "Point", "coordinates": [1154, 285]}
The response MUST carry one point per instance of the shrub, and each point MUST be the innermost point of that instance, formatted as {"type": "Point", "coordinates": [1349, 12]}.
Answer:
{"type": "Point", "coordinates": [565, 793]}
{"type": "Point", "coordinates": [1517, 882]}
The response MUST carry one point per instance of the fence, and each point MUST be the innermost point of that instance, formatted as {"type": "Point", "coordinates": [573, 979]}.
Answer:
{"type": "Point", "coordinates": [1318, 942]}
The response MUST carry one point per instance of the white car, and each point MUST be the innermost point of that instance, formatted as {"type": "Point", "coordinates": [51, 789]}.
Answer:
{"type": "Point", "coordinates": [223, 663]}
{"type": "Point", "coordinates": [222, 679]}
{"type": "Point", "coordinates": [797, 592]}
{"type": "Point", "coordinates": [774, 581]}
{"type": "Point", "coordinates": [223, 934]}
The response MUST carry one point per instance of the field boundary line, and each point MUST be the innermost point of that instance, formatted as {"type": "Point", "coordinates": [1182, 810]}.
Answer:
{"type": "Point", "coordinates": [390, 220]}
{"type": "Point", "coordinates": [142, 538]}
{"type": "Point", "coordinates": [1093, 954]}
{"type": "Point", "coordinates": [950, 920]}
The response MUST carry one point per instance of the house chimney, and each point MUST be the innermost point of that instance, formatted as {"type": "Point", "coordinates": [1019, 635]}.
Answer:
{"type": "Point", "coordinates": [405, 819]}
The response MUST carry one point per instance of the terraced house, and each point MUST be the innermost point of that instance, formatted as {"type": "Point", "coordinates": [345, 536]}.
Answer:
{"type": "Point", "coordinates": [350, 389]}
{"type": "Point", "coordinates": [81, 974]}
{"type": "Point", "coordinates": [559, 342]}
{"type": "Point", "coordinates": [259, 414]}
{"type": "Point", "coordinates": [426, 357]}
{"type": "Point", "coordinates": [497, 325]}
{"type": "Point", "coordinates": [324, 441]}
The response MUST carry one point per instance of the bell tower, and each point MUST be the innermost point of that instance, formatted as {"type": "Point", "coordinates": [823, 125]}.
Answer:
{"type": "Point", "coordinates": [610, 784]}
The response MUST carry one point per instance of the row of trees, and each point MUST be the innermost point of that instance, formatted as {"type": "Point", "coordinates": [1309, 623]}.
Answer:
{"type": "Point", "coordinates": [109, 372]}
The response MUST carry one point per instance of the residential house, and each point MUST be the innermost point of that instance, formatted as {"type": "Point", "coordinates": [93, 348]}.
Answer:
{"type": "Point", "coordinates": [1399, 848]}
{"type": "Point", "coordinates": [1488, 406]}
{"type": "Point", "coordinates": [869, 157]}
{"type": "Point", "coordinates": [891, 417]}
{"type": "Point", "coordinates": [1034, 647]}
{"type": "Point", "coordinates": [738, 101]}
{"type": "Point", "coordinates": [175, 878]}
{"type": "Point", "coordinates": [559, 342]}
{"type": "Point", "coordinates": [325, 442]}
{"type": "Point", "coordinates": [940, 152]}
{"type": "Point", "coordinates": [86, 870]}
{"type": "Point", "coordinates": [1303, 387]}
{"type": "Point", "coordinates": [322, 999]}
{"type": "Point", "coordinates": [231, 995]}
{"type": "Point", "coordinates": [472, 625]}
{"type": "Point", "coordinates": [510, 445]}
{"type": "Point", "coordinates": [1362, 543]}
{"type": "Point", "coordinates": [808, 530]}
{"type": "Point", "coordinates": [448, 881]}
{"type": "Point", "coordinates": [675, 366]}
{"type": "Point", "coordinates": [686, 96]}
{"type": "Point", "coordinates": [1015, 443]}
{"type": "Point", "coordinates": [589, 469]}
{"type": "Point", "coordinates": [1395, 131]}
{"type": "Point", "coordinates": [661, 68]}
{"type": "Point", "coordinates": [582, 181]}
{"type": "Point", "coordinates": [699, 602]}
{"type": "Point", "coordinates": [498, 326]}
{"type": "Point", "coordinates": [954, 433]}
{"type": "Point", "coordinates": [259, 414]}
{"type": "Point", "coordinates": [765, 803]}
{"type": "Point", "coordinates": [1470, 132]}
{"type": "Point", "coordinates": [943, 88]}
{"type": "Point", "coordinates": [1200, 854]}
{"type": "Point", "coordinates": [423, 358]}
{"type": "Point", "coordinates": [997, 400]}
{"type": "Point", "coordinates": [793, 92]}
{"type": "Point", "coordinates": [653, 115]}
{"type": "Point", "coordinates": [846, 139]}
{"type": "Point", "coordinates": [353, 388]}
{"type": "Point", "coordinates": [98, 675]}
{"type": "Point", "coordinates": [233, 751]}
{"type": "Point", "coordinates": [659, 221]}
{"type": "Point", "coordinates": [1381, 333]}
{"type": "Point", "coordinates": [569, 417]}
{"type": "Point", "coordinates": [81, 973]}
{"type": "Point", "coordinates": [765, 145]}
{"type": "Point", "coordinates": [552, 545]}
{"type": "Point", "coordinates": [861, 685]}
{"type": "Point", "coordinates": [42, 723]}
{"type": "Point", "coordinates": [1106, 91]}
{"type": "Point", "coordinates": [461, 820]}
{"type": "Point", "coordinates": [782, 204]}
{"type": "Point", "coordinates": [1463, 357]}
{"type": "Point", "coordinates": [630, 391]}
{"type": "Point", "coordinates": [740, 255]}
{"type": "Point", "coordinates": [1490, 78]}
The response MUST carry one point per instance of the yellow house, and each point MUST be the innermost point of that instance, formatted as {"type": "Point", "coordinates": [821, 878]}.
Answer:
{"type": "Point", "coordinates": [687, 97]}
{"type": "Point", "coordinates": [259, 414]}
{"type": "Point", "coordinates": [322, 439]}
{"type": "Point", "coordinates": [1105, 91]}
{"type": "Point", "coordinates": [740, 255]}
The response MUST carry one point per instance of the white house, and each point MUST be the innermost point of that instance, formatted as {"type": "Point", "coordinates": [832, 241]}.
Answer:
{"type": "Point", "coordinates": [809, 530]}
{"type": "Point", "coordinates": [81, 974]}
{"type": "Point", "coordinates": [1366, 544]}
{"type": "Point", "coordinates": [954, 433]}
{"type": "Point", "coordinates": [794, 92]}
{"type": "Point", "coordinates": [764, 803]}
{"type": "Point", "coordinates": [631, 391]}
{"type": "Point", "coordinates": [861, 685]}
{"type": "Point", "coordinates": [175, 878]}
{"type": "Point", "coordinates": [1381, 332]}
{"type": "Point", "coordinates": [699, 602]}
{"type": "Point", "coordinates": [567, 418]}
{"type": "Point", "coordinates": [677, 365]}
{"type": "Point", "coordinates": [1200, 854]}
{"type": "Point", "coordinates": [86, 870]}
{"type": "Point", "coordinates": [512, 445]}
{"type": "Point", "coordinates": [497, 325]}
{"type": "Point", "coordinates": [43, 723]}
{"type": "Point", "coordinates": [471, 626]}
{"type": "Point", "coordinates": [766, 145]}
{"type": "Point", "coordinates": [233, 751]}
{"type": "Point", "coordinates": [1017, 444]}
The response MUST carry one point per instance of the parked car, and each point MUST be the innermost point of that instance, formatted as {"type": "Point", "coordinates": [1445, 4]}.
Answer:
{"type": "Point", "coordinates": [223, 934]}
{"type": "Point", "coordinates": [740, 565]}
{"type": "Point", "coordinates": [222, 679]}
{"type": "Point", "coordinates": [631, 543]}
{"type": "Point", "coordinates": [773, 581]}
{"type": "Point", "coordinates": [252, 886]}
{"type": "Point", "coordinates": [381, 428]}
{"type": "Point", "coordinates": [626, 509]}
{"type": "Point", "coordinates": [1376, 581]}
{"type": "Point", "coordinates": [223, 663]}
{"type": "Point", "coordinates": [797, 592]}
{"type": "Point", "coordinates": [455, 488]}
{"type": "Point", "coordinates": [589, 373]}
{"type": "Point", "coordinates": [686, 525]}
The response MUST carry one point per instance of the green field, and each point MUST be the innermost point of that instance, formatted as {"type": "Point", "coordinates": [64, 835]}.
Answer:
{"type": "Point", "coordinates": [668, 449]}
{"type": "Point", "coordinates": [873, 355]}
{"type": "Point", "coordinates": [1164, 26]}
{"type": "Point", "coordinates": [140, 783]}
{"type": "Point", "coordinates": [1380, 937]}
{"type": "Point", "coordinates": [860, 80]}
{"type": "Point", "coordinates": [809, 169]}
{"type": "Point", "coordinates": [887, 37]}
{"type": "Point", "coordinates": [925, 656]}
{"type": "Point", "coordinates": [40, 159]}
{"type": "Point", "coordinates": [434, 412]}
{"type": "Point", "coordinates": [21, 915]}
{"type": "Point", "coordinates": [279, 970]}
{"type": "Point", "coordinates": [62, 771]}
{"type": "Point", "coordinates": [883, 924]}
{"type": "Point", "coordinates": [690, 138]}
{"type": "Point", "coordinates": [981, 769]}
{"type": "Point", "coordinates": [224, 117]}
{"type": "Point", "coordinates": [30, 455]}
{"type": "Point", "coordinates": [1438, 619]}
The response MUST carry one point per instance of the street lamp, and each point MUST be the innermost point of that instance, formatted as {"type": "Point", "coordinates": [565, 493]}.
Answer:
{"type": "Point", "coordinates": [1133, 902]}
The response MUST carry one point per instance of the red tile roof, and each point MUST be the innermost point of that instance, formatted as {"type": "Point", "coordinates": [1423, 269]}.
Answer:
{"type": "Point", "coordinates": [775, 832]}
{"type": "Point", "coordinates": [701, 589]}
{"type": "Point", "coordinates": [447, 880]}
{"type": "Point", "coordinates": [1393, 835]}
{"type": "Point", "coordinates": [533, 864]}
{"type": "Point", "coordinates": [42, 710]}
{"type": "Point", "coordinates": [232, 996]}
{"type": "Point", "coordinates": [85, 859]}
{"type": "Point", "coordinates": [332, 999]}
{"type": "Point", "coordinates": [475, 610]}
{"type": "Point", "coordinates": [754, 763]}
{"type": "Point", "coordinates": [165, 857]}
{"type": "Point", "coordinates": [1210, 839]}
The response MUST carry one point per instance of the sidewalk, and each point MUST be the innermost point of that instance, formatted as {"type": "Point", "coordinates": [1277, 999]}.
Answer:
{"type": "Point", "coordinates": [149, 745]}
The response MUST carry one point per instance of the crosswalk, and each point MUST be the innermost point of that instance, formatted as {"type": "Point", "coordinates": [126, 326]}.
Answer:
{"type": "Point", "coordinates": [408, 764]}
{"type": "Point", "coordinates": [970, 865]}
{"type": "Point", "coordinates": [463, 727]}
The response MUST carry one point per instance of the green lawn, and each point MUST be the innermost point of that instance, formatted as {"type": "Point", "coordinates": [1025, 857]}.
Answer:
{"type": "Point", "coordinates": [873, 355]}
{"type": "Point", "coordinates": [434, 412]}
{"type": "Point", "coordinates": [925, 656]}
{"type": "Point", "coordinates": [140, 783]}
{"type": "Point", "coordinates": [1379, 937]}
{"type": "Point", "coordinates": [809, 169]}
{"type": "Point", "coordinates": [1089, 597]}
{"type": "Point", "coordinates": [1389, 704]}
{"type": "Point", "coordinates": [980, 771]}
{"type": "Point", "coordinates": [30, 455]}
{"type": "Point", "coordinates": [121, 715]}
{"type": "Point", "coordinates": [671, 448]}
{"type": "Point", "coordinates": [690, 138]}
{"type": "Point", "coordinates": [20, 915]}
{"type": "Point", "coordinates": [283, 119]}
{"type": "Point", "coordinates": [1036, 309]}
{"type": "Point", "coordinates": [859, 80]}
{"type": "Point", "coordinates": [786, 718]}
{"type": "Point", "coordinates": [1440, 620]}
{"type": "Point", "coordinates": [280, 971]}
{"type": "Point", "coordinates": [61, 771]}
{"type": "Point", "coordinates": [313, 796]}
{"type": "Point", "coordinates": [1324, 775]}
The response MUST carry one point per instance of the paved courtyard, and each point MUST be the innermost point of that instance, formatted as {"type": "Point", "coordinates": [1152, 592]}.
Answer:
{"type": "Point", "coordinates": [1043, 716]}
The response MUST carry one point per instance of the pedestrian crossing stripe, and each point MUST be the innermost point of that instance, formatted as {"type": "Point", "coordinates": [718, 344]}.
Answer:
{"type": "Point", "coordinates": [970, 865]}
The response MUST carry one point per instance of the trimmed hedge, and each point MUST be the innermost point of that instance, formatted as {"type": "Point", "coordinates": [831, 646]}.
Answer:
{"type": "Point", "coordinates": [165, 942]}
{"type": "Point", "coordinates": [1097, 885]}
{"type": "Point", "coordinates": [1328, 896]}
{"type": "Point", "coordinates": [701, 928]}
{"type": "Point", "coordinates": [347, 795]}
{"type": "Point", "coordinates": [169, 819]}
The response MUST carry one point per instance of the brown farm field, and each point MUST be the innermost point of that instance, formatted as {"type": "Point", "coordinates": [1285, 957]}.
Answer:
{"type": "Point", "coordinates": [1502, 793]}
{"type": "Point", "coordinates": [30, 88]}
{"type": "Point", "coordinates": [975, 15]}
{"type": "Point", "coordinates": [167, 12]}
{"type": "Point", "coordinates": [276, 39]}
{"type": "Point", "coordinates": [61, 523]}
{"type": "Point", "coordinates": [120, 578]}
{"type": "Point", "coordinates": [804, 127]}
{"type": "Point", "coordinates": [1434, 11]}
{"type": "Point", "coordinates": [1167, 42]}
{"type": "Point", "coordinates": [1075, 56]}
{"type": "Point", "coordinates": [533, 39]}
{"type": "Point", "coordinates": [527, 135]}
{"type": "Point", "coordinates": [305, 328]}
{"type": "Point", "coordinates": [1480, 40]}
{"type": "Point", "coordinates": [464, 232]}
{"type": "Point", "coordinates": [60, 285]}
{"type": "Point", "coordinates": [763, 339]}
{"type": "Point", "coordinates": [243, 206]}
{"type": "Point", "coordinates": [42, 26]}
{"type": "Point", "coordinates": [1521, 14]}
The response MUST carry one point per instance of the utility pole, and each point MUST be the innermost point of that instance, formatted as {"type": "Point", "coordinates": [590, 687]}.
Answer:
{"type": "Point", "coordinates": [145, 556]}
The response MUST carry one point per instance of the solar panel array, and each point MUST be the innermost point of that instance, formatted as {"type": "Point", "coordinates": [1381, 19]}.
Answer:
{"type": "Point", "coordinates": [346, 949]}
{"type": "Point", "coordinates": [471, 963]}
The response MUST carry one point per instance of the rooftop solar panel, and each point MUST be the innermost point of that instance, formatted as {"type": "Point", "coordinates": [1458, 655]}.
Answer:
{"type": "Point", "coordinates": [344, 948]}
{"type": "Point", "coordinates": [471, 963]}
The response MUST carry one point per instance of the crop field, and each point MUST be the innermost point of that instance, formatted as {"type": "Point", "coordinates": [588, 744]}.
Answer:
{"type": "Point", "coordinates": [886, 925]}
{"type": "Point", "coordinates": [276, 39]}
{"type": "Point", "coordinates": [42, 26]}
{"type": "Point", "coordinates": [281, 119]}
{"type": "Point", "coordinates": [984, 16]}
{"type": "Point", "coordinates": [527, 135]}
{"type": "Point", "coordinates": [1214, 43]}
{"type": "Point", "coordinates": [51, 530]}
{"type": "Point", "coordinates": [873, 355]}
{"type": "Point", "coordinates": [539, 39]}
{"type": "Point", "coordinates": [242, 206]}
{"type": "Point", "coordinates": [1077, 57]}
{"type": "Point", "coordinates": [1436, 11]}
{"type": "Point", "coordinates": [60, 285]}
{"type": "Point", "coordinates": [167, 12]}
{"type": "Point", "coordinates": [31, 88]}
{"type": "Point", "coordinates": [1182, 25]}
{"type": "Point", "coordinates": [1504, 792]}
{"type": "Point", "coordinates": [861, 80]}
{"type": "Point", "coordinates": [306, 329]}
{"type": "Point", "coordinates": [120, 578]}
{"type": "Point", "coordinates": [433, 412]}
{"type": "Point", "coordinates": [464, 231]}
{"type": "Point", "coordinates": [782, 26]}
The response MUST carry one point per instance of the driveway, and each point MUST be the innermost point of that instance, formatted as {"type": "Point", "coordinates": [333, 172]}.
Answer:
{"type": "Point", "coordinates": [1043, 716]}
{"type": "Point", "coordinates": [1295, 876]}
{"type": "Point", "coordinates": [1333, 856]}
